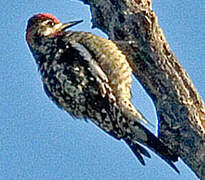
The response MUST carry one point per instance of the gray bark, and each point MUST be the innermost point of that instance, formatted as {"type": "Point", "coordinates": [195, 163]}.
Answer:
{"type": "Point", "coordinates": [180, 109]}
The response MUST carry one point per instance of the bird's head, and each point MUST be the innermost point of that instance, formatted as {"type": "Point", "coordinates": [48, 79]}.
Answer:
{"type": "Point", "coordinates": [45, 24]}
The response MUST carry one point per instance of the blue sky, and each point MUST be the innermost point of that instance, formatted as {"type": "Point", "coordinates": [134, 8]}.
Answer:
{"type": "Point", "coordinates": [40, 141]}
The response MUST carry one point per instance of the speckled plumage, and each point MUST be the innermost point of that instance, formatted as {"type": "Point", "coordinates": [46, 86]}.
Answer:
{"type": "Point", "coordinates": [89, 77]}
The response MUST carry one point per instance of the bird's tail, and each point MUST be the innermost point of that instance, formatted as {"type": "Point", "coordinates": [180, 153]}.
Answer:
{"type": "Point", "coordinates": [145, 137]}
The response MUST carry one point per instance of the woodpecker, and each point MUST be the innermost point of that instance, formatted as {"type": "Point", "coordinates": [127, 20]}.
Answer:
{"type": "Point", "coordinates": [90, 78]}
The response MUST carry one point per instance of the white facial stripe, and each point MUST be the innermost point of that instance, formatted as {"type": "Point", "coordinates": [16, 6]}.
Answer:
{"type": "Point", "coordinates": [51, 30]}
{"type": "Point", "coordinates": [48, 31]}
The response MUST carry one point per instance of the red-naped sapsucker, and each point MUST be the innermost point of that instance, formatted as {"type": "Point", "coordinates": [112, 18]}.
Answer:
{"type": "Point", "coordinates": [90, 78]}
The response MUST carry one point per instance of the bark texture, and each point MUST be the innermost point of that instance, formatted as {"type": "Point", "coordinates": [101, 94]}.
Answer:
{"type": "Point", "coordinates": [180, 109]}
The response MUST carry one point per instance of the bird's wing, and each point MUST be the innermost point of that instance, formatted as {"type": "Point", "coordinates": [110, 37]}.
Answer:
{"type": "Point", "coordinates": [100, 101]}
{"type": "Point", "coordinates": [93, 67]}
{"type": "Point", "coordinates": [132, 132]}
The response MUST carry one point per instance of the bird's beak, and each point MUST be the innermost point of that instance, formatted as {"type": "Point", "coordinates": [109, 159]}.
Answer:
{"type": "Point", "coordinates": [69, 24]}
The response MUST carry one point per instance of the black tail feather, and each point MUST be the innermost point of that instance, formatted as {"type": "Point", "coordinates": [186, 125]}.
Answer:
{"type": "Point", "coordinates": [153, 143]}
{"type": "Point", "coordinates": [136, 147]}
{"type": "Point", "coordinates": [138, 150]}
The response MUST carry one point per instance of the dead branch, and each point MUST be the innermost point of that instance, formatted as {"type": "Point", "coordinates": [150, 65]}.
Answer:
{"type": "Point", "coordinates": [180, 109]}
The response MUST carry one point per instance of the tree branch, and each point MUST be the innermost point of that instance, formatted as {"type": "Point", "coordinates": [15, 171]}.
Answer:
{"type": "Point", "coordinates": [180, 109]}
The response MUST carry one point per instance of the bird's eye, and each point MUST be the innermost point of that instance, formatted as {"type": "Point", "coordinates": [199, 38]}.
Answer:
{"type": "Point", "coordinates": [50, 23]}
